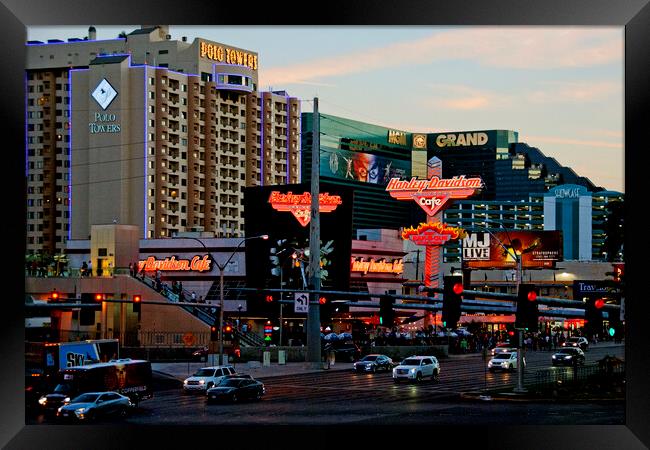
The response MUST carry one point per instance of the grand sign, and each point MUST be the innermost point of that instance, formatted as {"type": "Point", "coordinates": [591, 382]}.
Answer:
{"type": "Point", "coordinates": [461, 139]}
{"type": "Point", "coordinates": [300, 204]}
{"type": "Point", "coordinates": [196, 264]}
{"type": "Point", "coordinates": [227, 55]}
{"type": "Point", "coordinates": [433, 193]}
{"type": "Point", "coordinates": [372, 265]}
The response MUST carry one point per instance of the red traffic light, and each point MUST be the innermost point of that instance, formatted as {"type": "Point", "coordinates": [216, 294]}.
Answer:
{"type": "Point", "coordinates": [458, 288]}
{"type": "Point", "coordinates": [213, 328]}
{"type": "Point", "coordinates": [511, 333]}
{"type": "Point", "coordinates": [99, 297]}
{"type": "Point", "coordinates": [137, 298]}
{"type": "Point", "coordinates": [599, 303]}
{"type": "Point", "coordinates": [322, 300]}
{"type": "Point", "coordinates": [532, 296]}
{"type": "Point", "coordinates": [228, 328]}
{"type": "Point", "coordinates": [54, 295]}
{"type": "Point", "coordinates": [269, 298]}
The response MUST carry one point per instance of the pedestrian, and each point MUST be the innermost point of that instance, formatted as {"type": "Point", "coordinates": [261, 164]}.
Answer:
{"type": "Point", "coordinates": [90, 268]}
{"type": "Point", "coordinates": [131, 269]}
{"type": "Point", "coordinates": [84, 269]}
{"type": "Point", "coordinates": [181, 297]}
{"type": "Point", "coordinates": [193, 297]}
{"type": "Point", "coordinates": [201, 299]}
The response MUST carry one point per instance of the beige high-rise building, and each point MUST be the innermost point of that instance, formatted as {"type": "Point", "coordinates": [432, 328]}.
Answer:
{"type": "Point", "coordinates": [149, 131]}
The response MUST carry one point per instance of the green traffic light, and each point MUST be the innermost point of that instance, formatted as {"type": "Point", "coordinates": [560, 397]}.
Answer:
{"type": "Point", "coordinates": [444, 324]}
{"type": "Point", "coordinates": [381, 321]}
{"type": "Point", "coordinates": [612, 331]}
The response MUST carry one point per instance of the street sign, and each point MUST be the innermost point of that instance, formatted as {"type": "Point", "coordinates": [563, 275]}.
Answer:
{"type": "Point", "coordinates": [301, 302]}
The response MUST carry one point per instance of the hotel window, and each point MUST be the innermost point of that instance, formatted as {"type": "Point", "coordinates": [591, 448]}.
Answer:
{"type": "Point", "coordinates": [152, 137]}
{"type": "Point", "coordinates": [152, 122]}
{"type": "Point", "coordinates": [152, 95]}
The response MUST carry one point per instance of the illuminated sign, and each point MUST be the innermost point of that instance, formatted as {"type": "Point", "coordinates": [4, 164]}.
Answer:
{"type": "Point", "coordinates": [104, 93]}
{"type": "Point", "coordinates": [395, 266]}
{"type": "Point", "coordinates": [419, 141]}
{"type": "Point", "coordinates": [433, 193]}
{"type": "Point", "coordinates": [300, 204]}
{"type": "Point", "coordinates": [104, 123]}
{"type": "Point", "coordinates": [535, 248]}
{"type": "Point", "coordinates": [432, 233]}
{"type": "Point", "coordinates": [360, 166]}
{"type": "Point", "coordinates": [461, 139]}
{"type": "Point", "coordinates": [228, 55]}
{"type": "Point", "coordinates": [396, 137]}
{"type": "Point", "coordinates": [197, 264]}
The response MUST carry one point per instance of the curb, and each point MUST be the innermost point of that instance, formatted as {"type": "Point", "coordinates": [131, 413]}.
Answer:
{"type": "Point", "coordinates": [504, 397]}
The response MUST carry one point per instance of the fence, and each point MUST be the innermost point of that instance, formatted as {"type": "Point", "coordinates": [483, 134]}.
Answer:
{"type": "Point", "coordinates": [608, 369]}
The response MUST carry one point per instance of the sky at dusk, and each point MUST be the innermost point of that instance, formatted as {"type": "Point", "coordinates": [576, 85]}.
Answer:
{"type": "Point", "coordinates": [561, 88]}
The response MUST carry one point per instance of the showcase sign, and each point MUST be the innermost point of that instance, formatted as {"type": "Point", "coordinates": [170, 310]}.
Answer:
{"type": "Point", "coordinates": [300, 204]}
{"type": "Point", "coordinates": [196, 264]}
{"type": "Point", "coordinates": [535, 248]}
{"type": "Point", "coordinates": [432, 194]}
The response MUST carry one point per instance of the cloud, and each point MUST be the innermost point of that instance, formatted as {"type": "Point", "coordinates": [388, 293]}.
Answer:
{"type": "Point", "coordinates": [505, 47]}
{"type": "Point", "coordinates": [559, 92]}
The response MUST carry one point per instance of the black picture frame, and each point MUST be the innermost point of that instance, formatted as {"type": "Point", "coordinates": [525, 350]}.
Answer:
{"type": "Point", "coordinates": [634, 15]}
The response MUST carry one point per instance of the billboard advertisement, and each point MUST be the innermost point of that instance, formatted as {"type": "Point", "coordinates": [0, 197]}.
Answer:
{"type": "Point", "coordinates": [537, 249]}
{"type": "Point", "coordinates": [267, 261]}
{"type": "Point", "coordinates": [363, 167]}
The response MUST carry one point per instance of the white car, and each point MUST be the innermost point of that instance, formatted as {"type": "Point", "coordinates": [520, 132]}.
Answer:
{"type": "Point", "coordinates": [416, 368]}
{"type": "Point", "coordinates": [504, 361]}
{"type": "Point", "coordinates": [206, 377]}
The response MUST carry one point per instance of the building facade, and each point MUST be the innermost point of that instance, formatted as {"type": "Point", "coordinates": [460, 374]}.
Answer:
{"type": "Point", "coordinates": [149, 131]}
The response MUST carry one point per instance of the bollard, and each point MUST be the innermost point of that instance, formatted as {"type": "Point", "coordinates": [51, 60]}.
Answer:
{"type": "Point", "coordinates": [266, 359]}
{"type": "Point", "coordinates": [282, 358]}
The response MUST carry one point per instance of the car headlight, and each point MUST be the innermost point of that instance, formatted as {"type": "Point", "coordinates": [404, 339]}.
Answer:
{"type": "Point", "coordinates": [184, 381]}
{"type": "Point", "coordinates": [201, 381]}
{"type": "Point", "coordinates": [42, 401]}
{"type": "Point", "coordinates": [553, 357]}
{"type": "Point", "coordinates": [80, 410]}
{"type": "Point", "coordinates": [412, 370]}
{"type": "Point", "coordinates": [66, 400]}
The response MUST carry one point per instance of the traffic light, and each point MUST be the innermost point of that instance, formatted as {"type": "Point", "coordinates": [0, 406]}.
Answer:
{"type": "Point", "coordinates": [87, 315]}
{"type": "Point", "coordinates": [527, 312]}
{"type": "Point", "coordinates": [214, 333]}
{"type": "Point", "coordinates": [594, 316]}
{"type": "Point", "coordinates": [137, 303]}
{"type": "Point", "coordinates": [227, 332]}
{"type": "Point", "coordinates": [386, 312]}
{"type": "Point", "coordinates": [325, 309]}
{"type": "Point", "coordinates": [269, 298]}
{"type": "Point", "coordinates": [451, 300]}
{"type": "Point", "coordinates": [54, 296]}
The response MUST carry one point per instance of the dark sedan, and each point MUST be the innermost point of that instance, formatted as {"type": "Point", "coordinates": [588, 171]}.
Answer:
{"type": "Point", "coordinates": [373, 363]}
{"type": "Point", "coordinates": [93, 405]}
{"type": "Point", "coordinates": [343, 351]}
{"type": "Point", "coordinates": [236, 389]}
{"type": "Point", "coordinates": [568, 356]}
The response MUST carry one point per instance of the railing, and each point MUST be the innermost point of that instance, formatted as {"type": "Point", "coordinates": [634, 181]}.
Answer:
{"type": "Point", "coordinates": [565, 375]}
{"type": "Point", "coordinates": [169, 339]}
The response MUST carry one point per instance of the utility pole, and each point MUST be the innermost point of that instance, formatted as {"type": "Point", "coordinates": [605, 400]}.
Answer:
{"type": "Point", "coordinates": [313, 317]}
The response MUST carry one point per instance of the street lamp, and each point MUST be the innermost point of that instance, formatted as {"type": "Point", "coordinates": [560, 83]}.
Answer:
{"type": "Point", "coordinates": [221, 270]}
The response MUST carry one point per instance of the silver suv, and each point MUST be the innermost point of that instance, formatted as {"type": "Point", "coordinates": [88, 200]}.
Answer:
{"type": "Point", "coordinates": [414, 368]}
{"type": "Point", "coordinates": [206, 377]}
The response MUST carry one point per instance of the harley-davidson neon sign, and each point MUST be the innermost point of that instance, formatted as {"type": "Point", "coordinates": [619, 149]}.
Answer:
{"type": "Point", "coordinates": [395, 266]}
{"type": "Point", "coordinates": [433, 193]}
{"type": "Point", "coordinates": [196, 264]}
{"type": "Point", "coordinates": [300, 204]}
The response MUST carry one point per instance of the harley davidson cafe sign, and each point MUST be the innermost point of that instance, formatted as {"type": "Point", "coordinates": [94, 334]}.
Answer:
{"type": "Point", "coordinates": [300, 204]}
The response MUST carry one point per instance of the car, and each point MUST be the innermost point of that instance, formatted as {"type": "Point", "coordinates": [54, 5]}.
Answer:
{"type": "Point", "coordinates": [236, 389]}
{"type": "Point", "coordinates": [504, 361]}
{"type": "Point", "coordinates": [92, 405]}
{"type": "Point", "coordinates": [568, 356]}
{"type": "Point", "coordinates": [206, 377]}
{"type": "Point", "coordinates": [343, 351]}
{"type": "Point", "coordinates": [200, 354]}
{"type": "Point", "coordinates": [503, 347]}
{"type": "Point", "coordinates": [415, 368]}
{"type": "Point", "coordinates": [373, 363]}
{"type": "Point", "coordinates": [577, 341]}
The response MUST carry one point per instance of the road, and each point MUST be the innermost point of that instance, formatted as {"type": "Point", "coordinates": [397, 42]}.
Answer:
{"type": "Point", "coordinates": [344, 397]}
